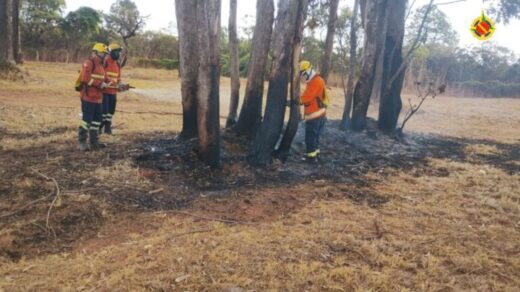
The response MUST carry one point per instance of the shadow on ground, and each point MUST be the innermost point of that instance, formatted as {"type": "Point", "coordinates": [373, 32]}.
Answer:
{"type": "Point", "coordinates": [164, 174]}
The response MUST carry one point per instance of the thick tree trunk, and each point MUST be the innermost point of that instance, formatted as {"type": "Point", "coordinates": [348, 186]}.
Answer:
{"type": "Point", "coordinates": [233, 55]}
{"type": "Point", "coordinates": [271, 127]}
{"type": "Point", "coordinates": [251, 112]}
{"type": "Point", "coordinates": [378, 79]}
{"type": "Point", "coordinates": [208, 113]}
{"type": "Point", "coordinates": [3, 30]}
{"type": "Point", "coordinates": [390, 102]}
{"type": "Point", "coordinates": [374, 40]}
{"type": "Point", "coordinates": [6, 31]}
{"type": "Point", "coordinates": [325, 67]}
{"type": "Point", "coordinates": [17, 40]}
{"type": "Point", "coordinates": [284, 148]}
{"type": "Point", "coordinates": [345, 121]}
{"type": "Point", "coordinates": [188, 56]}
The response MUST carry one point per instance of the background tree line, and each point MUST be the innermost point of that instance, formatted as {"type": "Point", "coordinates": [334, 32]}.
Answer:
{"type": "Point", "coordinates": [47, 34]}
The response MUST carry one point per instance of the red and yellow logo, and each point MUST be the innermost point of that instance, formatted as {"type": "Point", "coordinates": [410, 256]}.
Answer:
{"type": "Point", "coordinates": [482, 28]}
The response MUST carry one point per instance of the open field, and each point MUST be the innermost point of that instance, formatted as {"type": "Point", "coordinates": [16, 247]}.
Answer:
{"type": "Point", "coordinates": [437, 212]}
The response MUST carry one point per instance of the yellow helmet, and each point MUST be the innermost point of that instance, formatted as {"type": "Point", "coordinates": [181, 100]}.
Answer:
{"type": "Point", "coordinates": [100, 48]}
{"type": "Point", "coordinates": [304, 66]}
{"type": "Point", "coordinates": [114, 47]}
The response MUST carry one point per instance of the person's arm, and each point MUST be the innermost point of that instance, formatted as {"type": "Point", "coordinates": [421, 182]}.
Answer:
{"type": "Point", "coordinates": [90, 78]}
{"type": "Point", "coordinates": [311, 92]}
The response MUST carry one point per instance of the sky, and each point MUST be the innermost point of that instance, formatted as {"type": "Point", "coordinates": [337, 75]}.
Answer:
{"type": "Point", "coordinates": [162, 17]}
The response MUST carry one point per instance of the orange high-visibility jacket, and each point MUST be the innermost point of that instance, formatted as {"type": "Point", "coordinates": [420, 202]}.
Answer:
{"type": "Point", "coordinates": [113, 71]}
{"type": "Point", "coordinates": [312, 98]}
{"type": "Point", "coordinates": [92, 75]}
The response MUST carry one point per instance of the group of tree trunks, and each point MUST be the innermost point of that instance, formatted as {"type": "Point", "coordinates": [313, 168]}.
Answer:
{"type": "Point", "coordinates": [383, 21]}
{"type": "Point", "coordinates": [10, 50]}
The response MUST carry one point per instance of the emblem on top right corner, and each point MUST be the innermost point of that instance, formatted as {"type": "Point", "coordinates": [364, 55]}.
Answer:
{"type": "Point", "coordinates": [482, 28]}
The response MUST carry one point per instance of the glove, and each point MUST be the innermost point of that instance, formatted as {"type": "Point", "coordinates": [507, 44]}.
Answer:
{"type": "Point", "coordinates": [103, 85]}
{"type": "Point", "coordinates": [123, 87]}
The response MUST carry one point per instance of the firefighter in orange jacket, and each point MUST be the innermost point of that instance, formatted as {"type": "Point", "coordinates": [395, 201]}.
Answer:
{"type": "Point", "coordinates": [315, 110]}
{"type": "Point", "coordinates": [113, 71]}
{"type": "Point", "coordinates": [93, 80]}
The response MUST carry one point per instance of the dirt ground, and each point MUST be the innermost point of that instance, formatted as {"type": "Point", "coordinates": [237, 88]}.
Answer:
{"type": "Point", "coordinates": [436, 211]}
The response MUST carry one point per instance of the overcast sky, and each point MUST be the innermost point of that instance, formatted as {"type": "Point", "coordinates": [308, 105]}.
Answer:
{"type": "Point", "coordinates": [162, 15]}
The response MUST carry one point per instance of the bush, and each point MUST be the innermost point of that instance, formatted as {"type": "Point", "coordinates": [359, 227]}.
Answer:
{"type": "Point", "coordinates": [168, 64]}
{"type": "Point", "coordinates": [491, 88]}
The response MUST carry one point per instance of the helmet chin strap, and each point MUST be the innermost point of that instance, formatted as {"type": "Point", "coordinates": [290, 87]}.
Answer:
{"type": "Point", "coordinates": [307, 75]}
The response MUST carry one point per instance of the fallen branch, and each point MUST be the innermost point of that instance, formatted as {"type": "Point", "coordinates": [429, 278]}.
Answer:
{"type": "Point", "coordinates": [56, 198]}
{"type": "Point", "coordinates": [197, 231]}
{"type": "Point", "coordinates": [211, 219]}
{"type": "Point", "coordinates": [24, 207]}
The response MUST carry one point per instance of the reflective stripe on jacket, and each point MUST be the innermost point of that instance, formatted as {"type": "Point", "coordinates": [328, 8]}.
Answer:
{"type": "Point", "coordinates": [92, 75]}
{"type": "Point", "coordinates": [312, 98]}
{"type": "Point", "coordinates": [113, 71]}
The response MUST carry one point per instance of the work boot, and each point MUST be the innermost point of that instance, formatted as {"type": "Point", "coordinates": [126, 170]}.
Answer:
{"type": "Point", "coordinates": [82, 137]}
{"type": "Point", "coordinates": [309, 159]}
{"type": "Point", "coordinates": [101, 128]}
{"type": "Point", "coordinates": [108, 128]}
{"type": "Point", "coordinates": [94, 140]}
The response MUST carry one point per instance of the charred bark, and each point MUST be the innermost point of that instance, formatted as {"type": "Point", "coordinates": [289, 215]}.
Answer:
{"type": "Point", "coordinates": [251, 112]}
{"type": "Point", "coordinates": [188, 51]}
{"type": "Point", "coordinates": [374, 40]}
{"type": "Point", "coordinates": [345, 121]}
{"type": "Point", "coordinates": [325, 67]}
{"type": "Point", "coordinates": [6, 31]}
{"type": "Point", "coordinates": [390, 101]}
{"type": "Point", "coordinates": [17, 40]}
{"type": "Point", "coordinates": [234, 70]}
{"type": "Point", "coordinates": [271, 127]}
{"type": "Point", "coordinates": [208, 18]}
{"type": "Point", "coordinates": [284, 148]}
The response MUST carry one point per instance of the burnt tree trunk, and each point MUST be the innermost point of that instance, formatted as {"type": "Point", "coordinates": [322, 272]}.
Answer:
{"type": "Point", "coordinates": [271, 127]}
{"type": "Point", "coordinates": [251, 111]}
{"type": "Point", "coordinates": [390, 101]}
{"type": "Point", "coordinates": [199, 28]}
{"type": "Point", "coordinates": [6, 31]}
{"type": "Point", "coordinates": [284, 148]}
{"type": "Point", "coordinates": [234, 70]}
{"type": "Point", "coordinates": [188, 64]}
{"type": "Point", "coordinates": [345, 121]}
{"type": "Point", "coordinates": [378, 79]}
{"type": "Point", "coordinates": [325, 67]}
{"type": "Point", "coordinates": [208, 112]}
{"type": "Point", "coordinates": [374, 21]}
{"type": "Point", "coordinates": [17, 40]}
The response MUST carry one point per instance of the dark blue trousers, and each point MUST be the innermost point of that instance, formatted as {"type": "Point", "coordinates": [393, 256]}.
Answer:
{"type": "Point", "coordinates": [109, 107]}
{"type": "Point", "coordinates": [92, 115]}
{"type": "Point", "coordinates": [313, 130]}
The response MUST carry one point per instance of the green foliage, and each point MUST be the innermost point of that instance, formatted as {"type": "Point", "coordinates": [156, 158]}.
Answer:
{"type": "Point", "coordinates": [40, 21]}
{"type": "Point", "coordinates": [244, 54]}
{"type": "Point", "coordinates": [124, 19]}
{"type": "Point", "coordinates": [168, 64]}
{"type": "Point", "coordinates": [490, 88]}
{"type": "Point", "coordinates": [80, 27]}
{"type": "Point", "coordinates": [437, 28]}
{"type": "Point", "coordinates": [155, 45]}
{"type": "Point", "coordinates": [485, 71]}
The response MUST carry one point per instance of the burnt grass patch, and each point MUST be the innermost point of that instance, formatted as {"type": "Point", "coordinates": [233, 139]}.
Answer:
{"type": "Point", "coordinates": [177, 180]}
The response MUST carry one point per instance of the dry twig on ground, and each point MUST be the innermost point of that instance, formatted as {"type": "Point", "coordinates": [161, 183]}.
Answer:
{"type": "Point", "coordinates": [57, 197]}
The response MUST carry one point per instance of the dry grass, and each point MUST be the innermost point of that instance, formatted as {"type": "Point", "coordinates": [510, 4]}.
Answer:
{"type": "Point", "coordinates": [437, 233]}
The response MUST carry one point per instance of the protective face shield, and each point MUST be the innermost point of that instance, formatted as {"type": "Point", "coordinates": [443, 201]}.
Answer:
{"type": "Point", "coordinates": [115, 54]}
{"type": "Point", "coordinates": [307, 75]}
